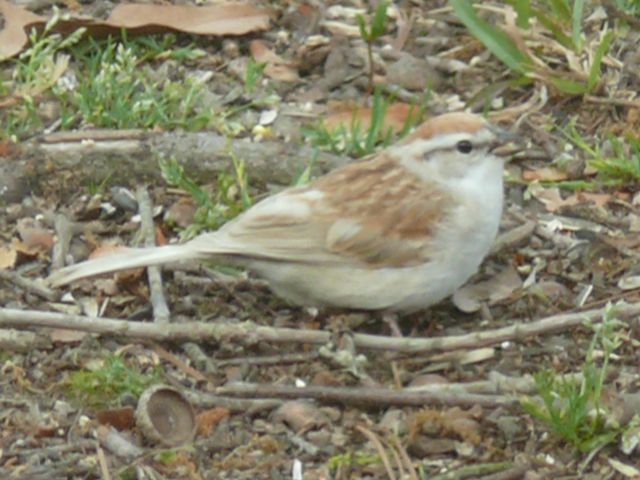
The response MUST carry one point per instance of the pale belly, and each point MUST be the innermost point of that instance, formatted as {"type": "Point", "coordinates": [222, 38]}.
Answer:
{"type": "Point", "coordinates": [390, 289]}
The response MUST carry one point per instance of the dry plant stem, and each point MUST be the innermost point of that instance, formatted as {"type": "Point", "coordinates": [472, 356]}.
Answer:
{"type": "Point", "coordinates": [514, 473]}
{"type": "Point", "coordinates": [245, 405]}
{"type": "Point", "coordinates": [104, 467]}
{"type": "Point", "coordinates": [380, 449]}
{"type": "Point", "coordinates": [618, 102]}
{"type": "Point", "coordinates": [284, 359]}
{"type": "Point", "coordinates": [161, 312]}
{"type": "Point", "coordinates": [64, 234]}
{"type": "Point", "coordinates": [497, 384]}
{"type": "Point", "coordinates": [372, 396]}
{"type": "Point", "coordinates": [28, 285]}
{"type": "Point", "coordinates": [117, 443]}
{"type": "Point", "coordinates": [248, 333]}
{"type": "Point", "coordinates": [514, 237]}
{"type": "Point", "coordinates": [394, 441]}
{"type": "Point", "coordinates": [199, 358]}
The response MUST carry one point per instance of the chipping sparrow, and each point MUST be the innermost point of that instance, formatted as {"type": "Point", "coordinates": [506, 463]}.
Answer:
{"type": "Point", "coordinates": [397, 231]}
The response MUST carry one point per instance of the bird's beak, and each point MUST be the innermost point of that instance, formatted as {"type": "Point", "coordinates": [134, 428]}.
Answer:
{"type": "Point", "coordinates": [502, 144]}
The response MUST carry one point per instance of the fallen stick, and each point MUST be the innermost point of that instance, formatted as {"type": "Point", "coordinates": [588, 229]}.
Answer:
{"type": "Point", "coordinates": [372, 396]}
{"type": "Point", "coordinates": [161, 312]}
{"type": "Point", "coordinates": [248, 333]}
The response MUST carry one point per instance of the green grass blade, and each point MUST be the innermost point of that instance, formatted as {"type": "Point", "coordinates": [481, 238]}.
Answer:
{"type": "Point", "coordinates": [364, 33]}
{"type": "Point", "coordinates": [561, 9]}
{"type": "Point", "coordinates": [379, 20]}
{"type": "Point", "coordinates": [496, 41]}
{"type": "Point", "coordinates": [568, 86]}
{"type": "Point", "coordinates": [601, 51]}
{"type": "Point", "coordinates": [554, 27]}
{"type": "Point", "coordinates": [576, 24]}
{"type": "Point", "coordinates": [523, 9]}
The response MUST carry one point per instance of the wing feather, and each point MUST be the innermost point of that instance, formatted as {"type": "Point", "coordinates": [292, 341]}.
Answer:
{"type": "Point", "coordinates": [371, 214]}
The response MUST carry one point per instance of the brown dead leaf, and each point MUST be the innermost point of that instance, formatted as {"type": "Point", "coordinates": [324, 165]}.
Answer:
{"type": "Point", "coordinates": [470, 297]}
{"type": "Point", "coordinates": [181, 213]}
{"type": "Point", "coordinates": [120, 418]}
{"type": "Point", "coordinates": [7, 148]}
{"type": "Point", "coordinates": [35, 238]}
{"type": "Point", "coordinates": [553, 201]}
{"type": "Point", "coordinates": [17, 21]}
{"type": "Point", "coordinates": [395, 118]}
{"type": "Point", "coordinates": [598, 199]}
{"type": "Point", "coordinates": [551, 198]}
{"type": "Point", "coordinates": [277, 67]}
{"type": "Point", "coordinates": [300, 416]}
{"type": "Point", "coordinates": [8, 257]}
{"type": "Point", "coordinates": [453, 420]}
{"type": "Point", "coordinates": [224, 19]}
{"type": "Point", "coordinates": [206, 421]}
{"type": "Point", "coordinates": [24, 250]}
{"type": "Point", "coordinates": [63, 335]}
{"type": "Point", "coordinates": [548, 174]}
{"type": "Point", "coordinates": [43, 431]}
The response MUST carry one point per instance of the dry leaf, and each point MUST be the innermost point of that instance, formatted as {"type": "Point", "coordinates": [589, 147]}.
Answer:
{"type": "Point", "coordinates": [548, 174]}
{"type": "Point", "coordinates": [35, 238]}
{"type": "Point", "coordinates": [626, 470]}
{"type": "Point", "coordinates": [553, 201]}
{"type": "Point", "coordinates": [395, 118]}
{"type": "Point", "coordinates": [551, 198]}
{"type": "Point", "coordinates": [17, 21]}
{"type": "Point", "coordinates": [300, 415]}
{"type": "Point", "coordinates": [206, 421]}
{"type": "Point", "coordinates": [277, 67]}
{"type": "Point", "coordinates": [7, 148]}
{"type": "Point", "coordinates": [470, 298]}
{"type": "Point", "coordinates": [64, 335]}
{"type": "Point", "coordinates": [8, 257]}
{"type": "Point", "coordinates": [120, 418]}
{"type": "Point", "coordinates": [225, 19]}
{"type": "Point", "coordinates": [181, 213]}
{"type": "Point", "coordinates": [450, 421]}
{"type": "Point", "coordinates": [598, 199]}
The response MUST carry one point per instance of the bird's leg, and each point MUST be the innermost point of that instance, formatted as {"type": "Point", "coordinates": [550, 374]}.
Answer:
{"type": "Point", "coordinates": [391, 319]}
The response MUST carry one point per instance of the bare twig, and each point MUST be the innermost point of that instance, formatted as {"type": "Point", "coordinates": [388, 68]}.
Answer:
{"type": "Point", "coordinates": [618, 102]}
{"type": "Point", "coordinates": [104, 467]}
{"type": "Point", "coordinates": [64, 234]}
{"type": "Point", "coordinates": [117, 443]}
{"type": "Point", "coordinates": [373, 438]}
{"type": "Point", "coordinates": [32, 286]}
{"type": "Point", "coordinates": [284, 359]}
{"type": "Point", "coordinates": [514, 237]}
{"type": "Point", "coordinates": [249, 406]}
{"type": "Point", "coordinates": [372, 396]}
{"type": "Point", "coordinates": [248, 333]}
{"type": "Point", "coordinates": [161, 312]}
{"type": "Point", "coordinates": [199, 358]}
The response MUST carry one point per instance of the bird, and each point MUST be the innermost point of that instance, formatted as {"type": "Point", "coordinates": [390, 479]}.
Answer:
{"type": "Point", "coordinates": [394, 232]}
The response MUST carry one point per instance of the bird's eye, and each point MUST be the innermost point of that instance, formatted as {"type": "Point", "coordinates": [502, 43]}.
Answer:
{"type": "Point", "coordinates": [464, 146]}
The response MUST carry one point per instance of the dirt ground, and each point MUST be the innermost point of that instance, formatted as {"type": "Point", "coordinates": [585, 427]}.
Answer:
{"type": "Point", "coordinates": [274, 391]}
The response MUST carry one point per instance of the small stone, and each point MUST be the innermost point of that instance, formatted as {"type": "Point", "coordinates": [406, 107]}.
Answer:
{"type": "Point", "coordinates": [413, 74]}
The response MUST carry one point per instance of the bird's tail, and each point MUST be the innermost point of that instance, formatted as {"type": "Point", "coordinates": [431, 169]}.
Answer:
{"type": "Point", "coordinates": [122, 260]}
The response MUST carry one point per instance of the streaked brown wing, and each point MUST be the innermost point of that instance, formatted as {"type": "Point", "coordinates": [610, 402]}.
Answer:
{"type": "Point", "coordinates": [389, 215]}
{"type": "Point", "coordinates": [371, 213]}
